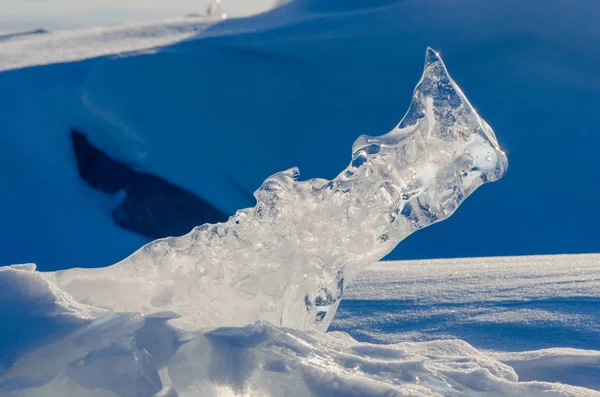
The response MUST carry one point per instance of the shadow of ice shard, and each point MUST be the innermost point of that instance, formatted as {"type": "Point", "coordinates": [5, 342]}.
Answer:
{"type": "Point", "coordinates": [148, 205]}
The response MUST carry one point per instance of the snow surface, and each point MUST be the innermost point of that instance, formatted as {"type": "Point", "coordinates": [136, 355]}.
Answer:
{"type": "Point", "coordinates": [40, 47]}
{"type": "Point", "coordinates": [19, 15]}
{"type": "Point", "coordinates": [69, 349]}
{"type": "Point", "coordinates": [532, 303]}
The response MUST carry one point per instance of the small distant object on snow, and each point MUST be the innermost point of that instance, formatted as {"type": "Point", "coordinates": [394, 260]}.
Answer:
{"type": "Point", "coordinates": [214, 10]}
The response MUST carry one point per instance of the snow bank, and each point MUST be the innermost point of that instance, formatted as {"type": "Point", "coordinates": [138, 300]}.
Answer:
{"type": "Point", "coordinates": [573, 366]}
{"type": "Point", "coordinates": [42, 47]}
{"type": "Point", "coordinates": [34, 312]}
{"type": "Point", "coordinates": [94, 353]}
{"type": "Point", "coordinates": [62, 348]}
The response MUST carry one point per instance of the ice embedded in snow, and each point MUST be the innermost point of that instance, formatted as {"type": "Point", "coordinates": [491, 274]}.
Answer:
{"type": "Point", "coordinates": [286, 260]}
{"type": "Point", "coordinates": [64, 345]}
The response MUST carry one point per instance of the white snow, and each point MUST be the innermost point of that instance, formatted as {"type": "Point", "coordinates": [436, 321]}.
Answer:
{"type": "Point", "coordinates": [495, 279]}
{"type": "Point", "coordinates": [19, 15]}
{"type": "Point", "coordinates": [529, 304]}
{"type": "Point", "coordinates": [83, 349]}
{"type": "Point", "coordinates": [23, 49]}
{"type": "Point", "coordinates": [563, 365]}
{"type": "Point", "coordinates": [527, 312]}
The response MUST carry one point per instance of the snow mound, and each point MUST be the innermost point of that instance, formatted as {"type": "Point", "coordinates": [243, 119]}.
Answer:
{"type": "Point", "coordinates": [287, 259]}
{"type": "Point", "coordinates": [28, 304]}
{"type": "Point", "coordinates": [564, 365]}
{"type": "Point", "coordinates": [93, 353]}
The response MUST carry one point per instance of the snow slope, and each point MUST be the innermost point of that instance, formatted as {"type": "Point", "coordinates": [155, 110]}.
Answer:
{"type": "Point", "coordinates": [70, 14]}
{"type": "Point", "coordinates": [218, 112]}
{"type": "Point", "coordinates": [41, 47]}
{"type": "Point", "coordinates": [37, 154]}
{"type": "Point", "coordinates": [71, 349]}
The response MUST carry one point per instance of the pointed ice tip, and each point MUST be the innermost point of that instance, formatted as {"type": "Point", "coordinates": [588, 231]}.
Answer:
{"type": "Point", "coordinates": [431, 57]}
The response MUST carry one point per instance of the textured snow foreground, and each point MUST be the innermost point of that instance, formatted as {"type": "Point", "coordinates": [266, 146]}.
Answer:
{"type": "Point", "coordinates": [106, 332]}
{"type": "Point", "coordinates": [86, 350]}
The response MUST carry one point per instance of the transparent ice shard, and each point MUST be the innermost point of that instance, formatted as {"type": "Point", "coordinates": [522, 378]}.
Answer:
{"type": "Point", "coordinates": [287, 260]}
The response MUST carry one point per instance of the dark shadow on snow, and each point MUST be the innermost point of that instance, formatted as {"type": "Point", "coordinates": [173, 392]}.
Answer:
{"type": "Point", "coordinates": [151, 206]}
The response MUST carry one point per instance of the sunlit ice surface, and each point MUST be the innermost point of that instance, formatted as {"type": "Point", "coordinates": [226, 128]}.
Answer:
{"type": "Point", "coordinates": [287, 260]}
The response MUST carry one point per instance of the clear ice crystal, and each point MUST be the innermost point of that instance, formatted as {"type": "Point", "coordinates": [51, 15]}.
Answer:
{"type": "Point", "coordinates": [287, 260]}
